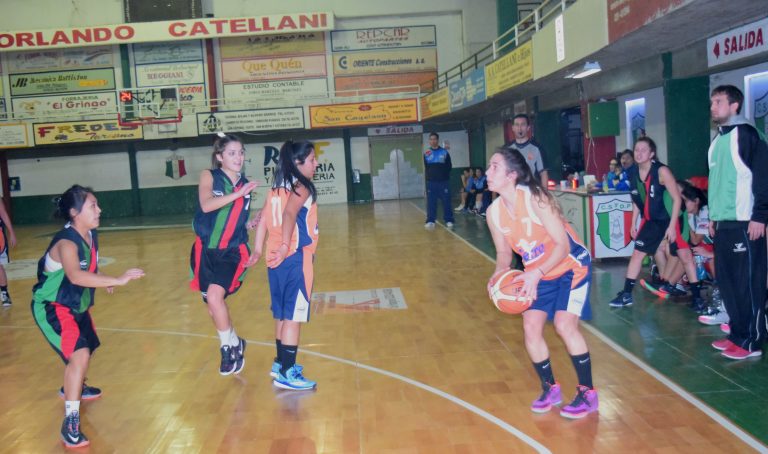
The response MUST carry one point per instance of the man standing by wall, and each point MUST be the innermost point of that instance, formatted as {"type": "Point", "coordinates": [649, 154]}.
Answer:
{"type": "Point", "coordinates": [738, 205]}
{"type": "Point", "coordinates": [531, 151]}
{"type": "Point", "coordinates": [437, 172]}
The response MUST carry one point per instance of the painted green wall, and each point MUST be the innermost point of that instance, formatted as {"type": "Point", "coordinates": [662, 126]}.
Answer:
{"type": "Point", "coordinates": [39, 209]}
{"type": "Point", "coordinates": [363, 191]}
{"type": "Point", "coordinates": [506, 17]}
{"type": "Point", "coordinates": [688, 125]}
{"type": "Point", "coordinates": [547, 133]}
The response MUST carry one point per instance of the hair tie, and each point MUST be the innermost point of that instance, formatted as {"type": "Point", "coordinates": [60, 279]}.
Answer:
{"type": "Point", "coordinates": [221, 135]}
{"type": "Point", "coordinates": [57, 201]}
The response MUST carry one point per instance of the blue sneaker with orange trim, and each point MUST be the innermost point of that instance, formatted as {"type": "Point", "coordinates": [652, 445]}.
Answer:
{"type": "Point", "coordinates": [70, 432]}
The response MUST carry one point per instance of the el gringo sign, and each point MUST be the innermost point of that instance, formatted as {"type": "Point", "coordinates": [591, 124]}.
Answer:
{"type": "Point", "coordinates": [141, 32]}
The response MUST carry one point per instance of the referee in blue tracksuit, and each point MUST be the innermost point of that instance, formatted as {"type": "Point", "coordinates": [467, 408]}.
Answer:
{"type": "Point", "coordinates": [437, 172]}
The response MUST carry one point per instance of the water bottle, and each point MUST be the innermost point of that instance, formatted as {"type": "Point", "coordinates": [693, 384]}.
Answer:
{"type": "Point", "coordinates": [605, 183]}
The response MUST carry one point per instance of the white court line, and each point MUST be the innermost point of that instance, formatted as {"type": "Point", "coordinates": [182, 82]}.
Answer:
{"type": "Point", "coordinates": [704, 408]}
{"type": "Point", "coordinates": [462, 403]}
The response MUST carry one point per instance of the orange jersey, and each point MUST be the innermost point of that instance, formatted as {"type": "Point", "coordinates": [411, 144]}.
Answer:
{"type": "Point", "coordinates": [528, 237]}
{"type": "Point", "coordinates": [305, 232]}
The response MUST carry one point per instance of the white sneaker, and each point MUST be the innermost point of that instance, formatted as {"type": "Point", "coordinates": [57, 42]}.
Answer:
{"type": "Point", "coordinates": [714, 319]}
{"type": "Point", "coordinates": [449, 225]}
{"type": "Point", "coordinates": [459, 208]}
{"type": "Point", "coordinates": [429, 225]}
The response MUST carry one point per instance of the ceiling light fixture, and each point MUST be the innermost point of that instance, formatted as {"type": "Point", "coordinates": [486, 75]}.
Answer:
{"type": "Point", "coordinates": [588, 69]}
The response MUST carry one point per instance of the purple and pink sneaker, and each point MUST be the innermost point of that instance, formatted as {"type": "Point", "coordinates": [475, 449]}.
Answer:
{"type": "Point", "coordinates": [583, 404]}
{"type": "Point", "coordinates": [551, 396]}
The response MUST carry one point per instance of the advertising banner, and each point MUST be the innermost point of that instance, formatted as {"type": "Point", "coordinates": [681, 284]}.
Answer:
{"type": "Point", "coordinates": [13, 135]}
{"type": "Point", "coordinates": [62, 82]}
{"type": "Point", "coordinates": [145, 53]}
{"type": "Point", "coordinates": [468, 91]}
{"type": "Point", "coordinates": [162, 31]}
{"type": "Point", "coordinates": [273, 68]}
{"type": "Point", "coordinates": [243, 47]}
{"type": "Point", "coordinates": [59, 59]}
{"type": "Point", "coordinates": [83, 131]}
{"type": "Point", "coordinates": [384, 38]}
{"type": "Point", "coordinates": [170, 74]}
{"type": "Point", "coordinates": [74, 105]}
{"type": "Point", "coordinates": [510, 70]}
{"type": "Point", "coordinates": [250, 120]}
{"type": "Point", "coordinates": [626, 16]}
{"type": "Point", "coordinates": [377, 62]}
{"type": "Point", "coordinates": [330, 177]}
{"type": "Point", "coordinates": [293, 89]}
{"type": "Point", "coordinates": [434, 104]}
{"type": "Point", "coordinates": [384, 83]}
{"type": "Point", "coordinates": [370, 113]}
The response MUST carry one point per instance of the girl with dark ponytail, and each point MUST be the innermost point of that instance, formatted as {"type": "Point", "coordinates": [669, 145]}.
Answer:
{"type": "Point", "coordinates": [67, 275]}
{"type": "Point", "coordinates": [290, 217]}
{"type": "Point", "coordinates": [525, 218]}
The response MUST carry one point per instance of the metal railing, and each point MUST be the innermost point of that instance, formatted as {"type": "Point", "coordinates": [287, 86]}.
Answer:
{"type": "Point", "coordinates": [518, 34]}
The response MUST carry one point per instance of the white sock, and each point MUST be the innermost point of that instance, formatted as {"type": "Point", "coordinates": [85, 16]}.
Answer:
{"type": "Point", "coordinates": [233, 339]}
{"type": "Point", "coordinates": [71, 406]}
{"type": "Point", "coordinates": [224, 336]}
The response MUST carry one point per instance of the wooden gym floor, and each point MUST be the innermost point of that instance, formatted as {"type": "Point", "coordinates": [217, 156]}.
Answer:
{"type": "Point", "coordinates": [447, 374]}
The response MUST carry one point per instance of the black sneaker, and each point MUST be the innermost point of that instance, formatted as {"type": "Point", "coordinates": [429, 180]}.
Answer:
{"type": "Point", "coordinates": [240, 351]}
{"type": "Point", "coordinates": [698, 305]}
{"type": "Point", "coordinates": [229, 360]}
{"type": "Point", "coordinates": [70, 432]}
{"type": "Point", "coordinates": [623, 299]}
{"type": "Point", "coordinates": [5, 298]}
{"type": "Point", "coordinates": [88, 392]}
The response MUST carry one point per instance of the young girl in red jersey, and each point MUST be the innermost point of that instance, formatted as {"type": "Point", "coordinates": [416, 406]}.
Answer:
{"type": "Point", "coordinates": [290, 217]}
{"type": "Point", "coordinates": [220, 252]}
{"type": "Point", "coordinates": [67, 275]}
{"type": "Point", "coordinates": [526, 219]}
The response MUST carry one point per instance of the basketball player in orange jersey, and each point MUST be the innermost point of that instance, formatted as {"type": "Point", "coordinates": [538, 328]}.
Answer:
{"type": "Point", "coordinates": [290, 217]}
{"type": "Point", "coordinates": [67, 275]}
{"type": "Point", "coordinates": [526, 219]}
{"type": "Point", "coordinates": [220, 252]}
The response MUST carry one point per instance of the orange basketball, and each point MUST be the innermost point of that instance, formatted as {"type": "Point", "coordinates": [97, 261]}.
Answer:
{"type": "Point", "coordinates": [505, 294]}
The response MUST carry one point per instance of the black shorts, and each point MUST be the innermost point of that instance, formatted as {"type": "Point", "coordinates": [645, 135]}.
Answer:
{"type": "Point", "coordinates": [223, 267]}
{"type": "Point", "coordinates": [65, 330]}
{"type": "Point", "coordinates": [650, 236]}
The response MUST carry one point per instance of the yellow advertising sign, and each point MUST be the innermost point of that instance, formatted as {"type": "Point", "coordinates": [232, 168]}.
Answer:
{"type": "Point", "coordinates": [84, 131]}
{"type": "Point", "coordinates": [243, 47]}
{"type": "Point", "coordinates": [434, 104]}
{"type": "Point", "coordinates": [390, 61]}
{"type": "Point", "coordinates": [365, 113]}
{"type": "Point", "coordinates": [509, 71]}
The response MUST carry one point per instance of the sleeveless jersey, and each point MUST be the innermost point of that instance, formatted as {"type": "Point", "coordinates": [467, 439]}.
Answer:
{"type": "Point", "coordinates": [650, 196]}
{"type": "Point", "coordinates": [525, 233]}
{"type": "Point", "coordinates": [54, 286]}
{"type": "Point", "coordinates": [305, 232]}
{"type": "Point", "coordinates": [225, 227]}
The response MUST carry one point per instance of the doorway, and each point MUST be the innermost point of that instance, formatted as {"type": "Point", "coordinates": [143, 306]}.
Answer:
{"type": "Point", "coordinates": [397, 168]}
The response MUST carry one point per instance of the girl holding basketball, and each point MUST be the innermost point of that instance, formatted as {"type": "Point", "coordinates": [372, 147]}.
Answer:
{"type": "Point", "coordinates": [290, 218]}
{"type": "Point", "coordinates": [526, 219]}
{"type": "Point", "coordinates": [67, 275]}
{"type": "Point", "coordinates": [220, 252]}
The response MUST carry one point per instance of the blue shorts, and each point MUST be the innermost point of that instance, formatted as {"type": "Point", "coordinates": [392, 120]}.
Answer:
{"type": "Point", "coordinates": [290, 285]}
{"type": "Point", "coordinates": [562, 294]}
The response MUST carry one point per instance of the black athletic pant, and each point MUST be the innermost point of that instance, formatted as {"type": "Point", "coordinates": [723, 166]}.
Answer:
{"type": "Point", "coordinates": [741, 267]}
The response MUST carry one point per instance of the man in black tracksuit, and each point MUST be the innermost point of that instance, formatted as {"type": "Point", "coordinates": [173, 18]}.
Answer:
{"type": "Point", "coordinates": [738, 207]}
